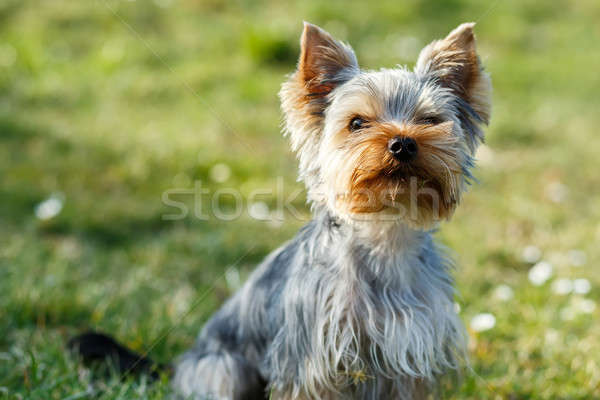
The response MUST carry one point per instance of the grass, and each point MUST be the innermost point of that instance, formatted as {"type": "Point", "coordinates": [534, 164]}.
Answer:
{"type": "Point", "coordinates": [105, 105]}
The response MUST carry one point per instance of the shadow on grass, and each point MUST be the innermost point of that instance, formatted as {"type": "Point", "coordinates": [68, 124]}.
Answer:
{"type": "Point", "coordinates": [35, 156]}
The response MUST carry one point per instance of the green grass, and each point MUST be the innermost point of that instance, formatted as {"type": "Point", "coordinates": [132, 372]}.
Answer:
{"type": "Point", "coordinates": [109, 104]}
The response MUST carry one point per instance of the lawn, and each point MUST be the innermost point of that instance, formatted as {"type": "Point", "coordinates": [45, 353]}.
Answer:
{"type": "Point", "coordinates": [106, 106]}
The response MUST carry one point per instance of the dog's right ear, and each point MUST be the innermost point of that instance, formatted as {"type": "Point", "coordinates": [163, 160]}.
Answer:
{"type": "Point", "coordinates": [324, 64]}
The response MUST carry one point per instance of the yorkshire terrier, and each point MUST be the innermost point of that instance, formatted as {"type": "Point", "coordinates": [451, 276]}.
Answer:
{"type": "Point", "coordinates": [359, 305]}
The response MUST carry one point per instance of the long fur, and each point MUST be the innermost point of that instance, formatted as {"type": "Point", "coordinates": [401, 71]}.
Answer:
{"type": "Point", "coordinates": [359, 305]}
{"type": "Point", "coordinates": [331, 314]}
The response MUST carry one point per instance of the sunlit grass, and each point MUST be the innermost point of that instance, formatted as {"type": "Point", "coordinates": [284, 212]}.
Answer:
{"type": "Point", "coordinates": [97, 122]}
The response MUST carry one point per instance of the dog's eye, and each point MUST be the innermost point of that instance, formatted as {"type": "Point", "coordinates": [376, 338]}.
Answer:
{"type": "Point", "coordinates": [430, 120]}
{"type": "Point", "coordinates": [357, 123]}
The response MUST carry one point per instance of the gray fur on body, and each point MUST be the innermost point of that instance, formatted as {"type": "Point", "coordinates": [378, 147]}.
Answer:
{"type": "Point", "coordinates": [355, 308]}
{"type": "Point", "coordinates": [328, 315]}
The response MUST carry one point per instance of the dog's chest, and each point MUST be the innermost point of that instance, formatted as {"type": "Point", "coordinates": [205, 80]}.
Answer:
{"type": "Point", "coordinates": [364, 313]}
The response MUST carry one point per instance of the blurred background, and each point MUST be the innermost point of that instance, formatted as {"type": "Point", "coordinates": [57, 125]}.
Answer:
{"type": "Point", "coordinates": [107, 105]}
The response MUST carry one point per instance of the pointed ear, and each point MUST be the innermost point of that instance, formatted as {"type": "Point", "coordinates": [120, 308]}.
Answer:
{"type": "Point", "coordinates": [453, 61]}
{"type": "Point", "coordinates": [324, 62]}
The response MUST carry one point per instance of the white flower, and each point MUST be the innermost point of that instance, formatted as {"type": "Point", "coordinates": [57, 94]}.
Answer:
{"type": "Point", "coordinates": [503, 293]}
{"type": "Point", "coordinates": [586, 306]}
{"type": "Point", "coordinates": [531, 254]}
{"type": "Point", "coordinates": [483, 322]}
{"type": "Point", "coordinates": [552, 337]}
{"type": "Point", "coordinates": [220, 173]}
{"type": "Point", "coordinates": [562, 286]}
{"type": "Point", "coordinates": [49, 208]}
{"type": "Point", "coordinates": [578, 306]}
{"type": "Point", "coordinates": [581, 286]}
{"type": "Point", "coordinates": [182, 300]}
{"type": "Point", "coordinates": [577, 258]}
{"type": "Point", "coordinates": [557, 192]}
{"type": "Point", "coordinates": [456, 307]}
{"type": "Point", "coordinates": [259, 210]}
{"type": "Point", "coordinates": [232, 277]}
{"type": "Point", "coordinates": [540, 273]}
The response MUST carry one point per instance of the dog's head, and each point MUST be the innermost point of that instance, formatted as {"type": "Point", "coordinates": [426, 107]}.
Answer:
{"type": "Point", "coordinates": [393, 142]}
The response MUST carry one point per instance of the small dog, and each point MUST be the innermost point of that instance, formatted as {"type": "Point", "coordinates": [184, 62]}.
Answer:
{"type": "Point", "coordinates": [359, 305]}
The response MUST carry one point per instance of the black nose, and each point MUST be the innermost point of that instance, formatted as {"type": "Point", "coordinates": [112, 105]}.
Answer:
{"type": "Point", "coordinates": [403, 148]}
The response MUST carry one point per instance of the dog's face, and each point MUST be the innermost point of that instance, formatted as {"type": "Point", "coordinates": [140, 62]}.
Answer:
{"type": "Point", "coordinates": [393, 142]}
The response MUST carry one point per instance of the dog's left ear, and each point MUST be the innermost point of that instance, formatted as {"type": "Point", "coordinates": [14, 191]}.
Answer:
{"type": "Point", "coordinates": [454, 62]}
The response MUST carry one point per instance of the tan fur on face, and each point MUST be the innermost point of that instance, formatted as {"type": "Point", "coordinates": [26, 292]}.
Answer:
{"type": "Point", "coordinates": [354, 175]}
{"type": "Point", "coordinates": [367, 179]}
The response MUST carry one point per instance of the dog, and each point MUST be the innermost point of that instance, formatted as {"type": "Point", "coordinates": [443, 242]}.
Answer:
{"type": "Point", "coordinates": [360, 304]}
